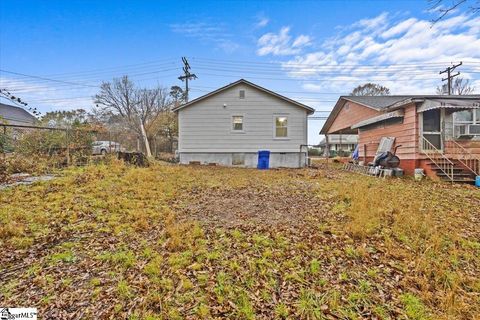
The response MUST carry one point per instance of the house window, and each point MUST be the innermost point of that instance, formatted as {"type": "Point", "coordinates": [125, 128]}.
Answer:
{"type": "Point", "coordinates": [242, 94]}
{"type": "Point", "coordinates": [237, 123]}
{"type": "Point", "coordinates": [281, 127]}
{"type": "Point", "coordinates": [466, 122]}
{"type": "Point", "coordinates": [465, 116]}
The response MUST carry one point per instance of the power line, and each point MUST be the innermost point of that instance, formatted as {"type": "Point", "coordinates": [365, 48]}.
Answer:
{"type": "Point", "coordinates": [317, 79]}
{"type": "Point", "coordinates": [69, 83]}
{"type": "Point", "coordinates": [280, 91]}
{"type": "Point", "coordinates": [4, 93]}
{"type": "Point", "coordinates": [47, 79]}
{"type": "Point", "coordinates": [323, 68]}
{"type": "Point", "coordinates": [27, 87]}
{"type": "Point", "coordinates": [110, 69]}
{"type": "Point", "coordinates": [332, 64]}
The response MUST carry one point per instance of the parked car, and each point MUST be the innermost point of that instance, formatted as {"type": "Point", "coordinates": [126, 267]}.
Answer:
{"type": "Point", "coordinates": [104, 147]}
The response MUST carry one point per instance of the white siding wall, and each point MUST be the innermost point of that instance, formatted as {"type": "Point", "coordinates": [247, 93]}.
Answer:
{"type": "Point", "coordinates": [207, 125]}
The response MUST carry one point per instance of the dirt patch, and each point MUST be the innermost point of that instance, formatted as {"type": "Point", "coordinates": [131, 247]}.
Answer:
{"type": "Point", "coordinates": [252, 206]}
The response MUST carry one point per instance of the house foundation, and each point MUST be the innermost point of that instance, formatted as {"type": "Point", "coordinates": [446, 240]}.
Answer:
{"type": "Point", "coordinates": [245, 160]}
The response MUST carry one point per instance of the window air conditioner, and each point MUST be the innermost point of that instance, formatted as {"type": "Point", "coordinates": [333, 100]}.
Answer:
{"type": "Point", "coordinates": [468, 130]}
{"type": "Point", "coordinates": [474, 129]}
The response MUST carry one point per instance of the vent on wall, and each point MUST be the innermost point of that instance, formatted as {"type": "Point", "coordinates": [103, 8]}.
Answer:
{"type": "Point", "coordinates": [242, 94]}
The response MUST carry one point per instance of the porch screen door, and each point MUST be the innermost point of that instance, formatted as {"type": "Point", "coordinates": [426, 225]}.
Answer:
{"type": "Point", "coordinates": [432, 125]}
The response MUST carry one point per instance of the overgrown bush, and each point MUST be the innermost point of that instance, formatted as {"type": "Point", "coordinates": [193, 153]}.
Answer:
{"type": "Point", "coordinates": [37, 151]}
{"type": "Point", "coordinates": [34, 164]}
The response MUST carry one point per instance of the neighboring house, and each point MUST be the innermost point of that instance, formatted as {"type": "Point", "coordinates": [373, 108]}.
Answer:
{"type": "Point", "coordinates": [440, 134]}
{"type": "Point", "coordinates": [338, 143]}
{"type": "Point", "coordinates": [15, 115]}
{"type": "Point", "coordinates": [230, 125]}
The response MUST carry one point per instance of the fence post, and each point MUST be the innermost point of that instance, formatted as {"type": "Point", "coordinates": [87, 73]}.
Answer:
{"type": "Point", "coordinates": [4, 140]}
{"type": "Point", "coordinates": [68, 146]}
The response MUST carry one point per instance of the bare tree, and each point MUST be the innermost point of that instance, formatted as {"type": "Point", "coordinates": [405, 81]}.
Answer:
{"type": "Point", "coordinates": [152, 103]}
{"type": "Point", "coordinates": [139, 108]}
{"type": "Point", "coordinates": [460, 86]}
{"type": "Point", "coordinates": [443, 8]}
{"type": "Point", "coordinates": [370, 89]}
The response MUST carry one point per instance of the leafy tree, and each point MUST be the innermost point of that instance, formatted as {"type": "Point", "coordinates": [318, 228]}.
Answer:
{"type": "Point", "coordinates": [65, 119]}
{"type": "Point", "coordinates": [78, 138]}
{"type": "Point", "coordinates": [460, 86]}
{"type": "Point", "coordinates": [178, 95]}
{"type": "Point", "coordinates": [370, 89]}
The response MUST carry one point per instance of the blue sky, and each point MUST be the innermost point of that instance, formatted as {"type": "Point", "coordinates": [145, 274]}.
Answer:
{"type": "Point", "coordinates": [312, 51]}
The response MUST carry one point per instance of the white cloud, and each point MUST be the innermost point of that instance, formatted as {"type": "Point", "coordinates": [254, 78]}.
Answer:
{"type": "Point", "coordinates": [208, 33]}
{"type": "Point", "coordinates": [374, 23]}
{"type": "Point", "coordinates": [396, 52]}
{"type": "Point", "coordinates": [399, 28]}
{"type": "Point", "coordinates": [262, 22]}
{"type": "Point", "coordinates": [282, 43]}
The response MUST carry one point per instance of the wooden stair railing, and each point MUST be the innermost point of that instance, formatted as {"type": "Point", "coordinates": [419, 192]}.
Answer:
{"type": "Point", "coordinates": [438, 158]}
{"type": "Point", "coordinates": [465, 156]}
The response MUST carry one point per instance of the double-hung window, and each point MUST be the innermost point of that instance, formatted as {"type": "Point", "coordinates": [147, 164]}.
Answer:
{"type": "Point", "coordinates": [281, 126]}
{"type": "Point", "coordinates": [237, 123]}
{"type": "Point", "coordinates": [467, 122]}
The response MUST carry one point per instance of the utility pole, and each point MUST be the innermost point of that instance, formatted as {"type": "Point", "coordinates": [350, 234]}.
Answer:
{"type": "Point", "coordinates": [187, 76]}
{"type": "Point", "coordinates": [449, 77]}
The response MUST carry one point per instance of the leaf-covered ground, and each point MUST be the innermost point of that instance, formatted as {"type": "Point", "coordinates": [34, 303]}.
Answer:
{"type": "Point", "coordinates": [175, 242]}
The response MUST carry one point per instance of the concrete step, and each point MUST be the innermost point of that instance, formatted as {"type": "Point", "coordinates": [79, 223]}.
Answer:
{"type": "Point", "coordinates": [460, 173]}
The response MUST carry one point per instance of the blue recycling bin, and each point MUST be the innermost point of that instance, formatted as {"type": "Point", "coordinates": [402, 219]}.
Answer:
{"type": "Point", "coordinates": [477, 181]}
{"type": "Point", "coordinates": [263, 159]}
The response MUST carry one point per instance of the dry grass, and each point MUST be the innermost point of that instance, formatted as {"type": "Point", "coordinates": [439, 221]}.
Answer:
{"type": "Point", "coordinates": [173, 242]}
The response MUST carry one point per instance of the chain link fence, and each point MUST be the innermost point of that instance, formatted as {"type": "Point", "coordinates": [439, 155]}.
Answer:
{"type": "Point", "coordinates": [38, 150]}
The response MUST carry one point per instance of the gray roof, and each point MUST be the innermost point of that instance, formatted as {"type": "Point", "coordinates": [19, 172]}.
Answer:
{"type": "Point", "coordinates": [388, 103]}
{"type": "Point", "coordinates": [337, 138]}
{"type": "Point", "coordinates": [309, 109]}
{"type": "Point", "coordinates": [15, 115]}
{"type": "Point", "coordinates": [382, 102]}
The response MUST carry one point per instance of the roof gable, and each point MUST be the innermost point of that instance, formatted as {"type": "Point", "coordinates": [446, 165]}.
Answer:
{"type": "Point", "coordinates": [248, 83]}
{"type": "Point", "coordinates": [14, 113]}
{"type": "Point", "coordinates": [386, 103]}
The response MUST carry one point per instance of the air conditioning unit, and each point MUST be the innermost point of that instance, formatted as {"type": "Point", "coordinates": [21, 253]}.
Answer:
{"type": "Point", "coordinates": [474, 129]}
{"type": "Point", "coordinates": [468, 130]}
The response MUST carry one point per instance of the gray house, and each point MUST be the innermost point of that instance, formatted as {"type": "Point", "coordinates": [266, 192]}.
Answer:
{"type": "Point", "coordinates": [15, 115]}
{"type": "Point", "coordinates": [230, 125]}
